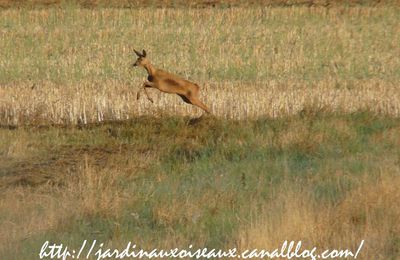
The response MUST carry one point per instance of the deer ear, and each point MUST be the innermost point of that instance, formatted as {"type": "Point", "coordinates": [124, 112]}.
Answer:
{"type": "Point", "coordinates": [144, 53]}
{"type": "Point", "coordinates": [137, 53]}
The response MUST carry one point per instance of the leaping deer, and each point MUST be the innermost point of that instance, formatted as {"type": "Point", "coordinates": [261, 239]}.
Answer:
{"type": "Point", "coordinates": [168, 83]}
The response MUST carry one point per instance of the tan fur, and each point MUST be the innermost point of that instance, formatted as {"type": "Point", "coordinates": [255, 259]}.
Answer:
{"type": "Point", "coordinates": [169, 83]}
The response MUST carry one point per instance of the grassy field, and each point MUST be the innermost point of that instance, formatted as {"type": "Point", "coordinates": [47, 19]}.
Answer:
{"type": "Point", "coordinates": [70, 65]}
{"type": "Point", "coordinates": [303, 143]}
{"type": "Point", "coordinates": [327, 180]}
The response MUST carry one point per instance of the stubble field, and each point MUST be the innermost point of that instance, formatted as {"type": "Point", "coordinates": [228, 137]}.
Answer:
{"type": "Point", "coordinates": [303, 144]}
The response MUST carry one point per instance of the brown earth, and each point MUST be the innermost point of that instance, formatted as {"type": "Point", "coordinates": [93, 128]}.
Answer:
{"type": "Point", "coordinates": [53, 167]}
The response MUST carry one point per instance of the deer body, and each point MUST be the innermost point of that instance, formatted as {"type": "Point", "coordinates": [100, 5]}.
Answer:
{"type": "Point", "coordinates": [169, 83]}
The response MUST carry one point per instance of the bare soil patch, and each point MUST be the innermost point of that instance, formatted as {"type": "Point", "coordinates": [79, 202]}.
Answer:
{"type": "Point", "coordinates": [52, 168]}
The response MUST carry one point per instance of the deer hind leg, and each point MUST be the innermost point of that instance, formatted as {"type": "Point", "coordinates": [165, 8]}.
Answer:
{"type": "Point", "coordinates": [194, 98]}
{"type": "Point", "coordinates": [195, 101]}
{"type": "Point", "coordinates": [185, 99]}
{"type": "Point", "coordinates": [202, 106]}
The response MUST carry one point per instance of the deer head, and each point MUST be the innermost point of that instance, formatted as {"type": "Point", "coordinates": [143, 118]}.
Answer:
{"type": "Point", "coordinates": [141, 60]}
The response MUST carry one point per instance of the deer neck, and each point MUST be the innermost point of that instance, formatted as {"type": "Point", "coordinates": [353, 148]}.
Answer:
{"type": "Point", "coordinates": [150, 69]}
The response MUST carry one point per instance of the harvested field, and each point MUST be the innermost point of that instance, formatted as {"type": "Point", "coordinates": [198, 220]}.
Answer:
{"type": "Point", "coordinates": [90, 103]}
{"type": "Point", "coordinates": [70, 66]}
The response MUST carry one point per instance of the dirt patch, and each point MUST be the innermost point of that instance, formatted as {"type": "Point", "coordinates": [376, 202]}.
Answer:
{"type": "Point", "coordinates": [53, 168]}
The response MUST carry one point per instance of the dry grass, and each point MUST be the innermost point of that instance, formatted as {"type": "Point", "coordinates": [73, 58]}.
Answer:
{"type": "Point", "coordinates": [369, 212]}
{"type": "Point", "coordinates": [72, 65]}
{"type": "Point", "coordinates": [328, 180]}
{"type": "Point", "coordinates": [31, 208]}
{"type": "Point", "coordinates": [88, 102]}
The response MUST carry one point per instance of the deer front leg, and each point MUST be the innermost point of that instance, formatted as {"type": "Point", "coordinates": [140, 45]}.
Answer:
{"type": "Point", "coordinates": [145, 86]}
{"type": "Point", "coordinates": [138, 94]}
